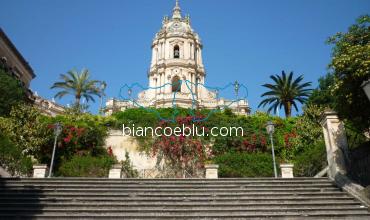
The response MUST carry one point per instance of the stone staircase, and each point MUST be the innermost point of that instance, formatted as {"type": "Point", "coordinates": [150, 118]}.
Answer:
{"type": "Point", "coordinates": [249, 198]}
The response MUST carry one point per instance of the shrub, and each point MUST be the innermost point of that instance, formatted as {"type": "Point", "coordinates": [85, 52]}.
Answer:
{"type": "Point", "coordinates": [12, 158]}
{"type": "Point", "coordinates": [127, 167]}
{"type": "Point", "coordinates": [86, 166]}
{"type": "Point", "coordinates": [244, 165]}
{"type": "Point", "coordinates": [350, 67]}
{"type": "Point", "coordinates": [311, 161]}
{"type": "Point", "coordinates": [82, 135]}
{"type": "Point", "coordinates": [11, 92]}
{"type": "Point", "coordinates": [293, 137]}
{"type": "Point", "coordinates": [25, 128]}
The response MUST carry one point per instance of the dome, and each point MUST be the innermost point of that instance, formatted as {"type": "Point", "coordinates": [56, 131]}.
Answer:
{"type": "Point", "coordinates": [176, 25]}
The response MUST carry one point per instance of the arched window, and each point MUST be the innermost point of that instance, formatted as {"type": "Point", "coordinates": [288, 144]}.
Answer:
{"type": "Point", "coordinates": [176, 84]}
{"type": "Point", "coordinates": [176, 51]}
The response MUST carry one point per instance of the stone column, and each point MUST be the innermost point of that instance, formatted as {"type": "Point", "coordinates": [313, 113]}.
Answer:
{"type": "Point", "coordinates": [115, 172]}
{"type": "Point", "coordinates": [186, 50]}
{"type": "Point", "coordinates": [40, 171]}
{"type": "Point", "coordinates": [163, 51]}
{"type": "Point", "coordinates": [200, 56]}
{"type": "Point", "coordinates": [192, 82]}
{"type": "Point", "coordinates": [153, 56]}
{"type": "Point", "coordinates": [169, 86]}
{"type": "Point", "coordinates": [211, 171]}
{"type": "Point", "coordinates": [156, 54]}
{"type": "Point", "coordinates": [150, 81]}
{"type": "Point", "coordinates": [286, 170]}
{"type": "Point", "coordinates": [191, 51]}
{"type": "Point", "coordinates": [161, 82]}
{"type": "Point", "coordinates": [336, 143]}
{"type": "Point", "coordinates": [168, 50]}
{"type": "Point", "coordinates": [156, 84]}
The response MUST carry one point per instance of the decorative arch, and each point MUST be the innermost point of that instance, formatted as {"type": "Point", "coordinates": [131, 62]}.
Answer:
{"type": "Point", "coordinates": [176, 84]}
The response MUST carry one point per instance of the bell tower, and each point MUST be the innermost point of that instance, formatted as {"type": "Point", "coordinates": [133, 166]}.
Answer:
{"type": "Point", "coordinates": [176, 58]}
{"type": "Point", "coordinates": [176, 74]}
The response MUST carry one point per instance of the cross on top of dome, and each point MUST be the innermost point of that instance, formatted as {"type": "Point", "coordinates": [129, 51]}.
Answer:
{"type": "Point", "coordinates": [176, 11]}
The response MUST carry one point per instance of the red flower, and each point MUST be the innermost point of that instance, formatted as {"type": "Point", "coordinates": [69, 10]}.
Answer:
{"type": "Point", "coordinates": [287, 138]}
{"type": "Point", "coordinates": [66, 140]}
{"type": "Point", "coordinates": [110, 151]}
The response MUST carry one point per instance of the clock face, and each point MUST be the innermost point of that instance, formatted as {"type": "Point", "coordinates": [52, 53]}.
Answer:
{"type": "Point", "coordinates": [176, 27]}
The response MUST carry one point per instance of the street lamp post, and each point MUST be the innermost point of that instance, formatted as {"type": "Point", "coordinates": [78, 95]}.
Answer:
{"type": "Point", "coordinates": [236, 89]}
{"type": "Point", "coordinates": [57, 131]}
{"type": "Point", "coordinates": [103, 85]}
{"type": "Point", "coordinates": [366, 87]}
{"type": "Point", "coordinates": [129, 92]}
{"type": "Point", "coordinates": [270, 130]}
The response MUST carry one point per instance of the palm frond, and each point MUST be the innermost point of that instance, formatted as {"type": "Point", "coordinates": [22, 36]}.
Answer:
{"type": "Point", "coordinates": [284, 90]}
{"type": "Point", "coordinates": [61, 94]}
{"type": "Point", "coordinates": [78, 84]}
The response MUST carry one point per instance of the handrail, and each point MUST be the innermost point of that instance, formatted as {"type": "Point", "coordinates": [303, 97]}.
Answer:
{"type": "Point", "coordinates": [322, 173]}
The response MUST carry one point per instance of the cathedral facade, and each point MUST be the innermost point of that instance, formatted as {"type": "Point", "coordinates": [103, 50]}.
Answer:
{"type": "Point", "coordinates": [177, 74]}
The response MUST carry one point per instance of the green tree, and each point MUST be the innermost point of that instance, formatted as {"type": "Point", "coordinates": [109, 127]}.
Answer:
{"type": "Point", "coordinates": [350, 66]}
{"type": "Point", "coordinates": [13, 159]}
{"type": "Point", "coordinates": [25, 128]}
{"type": "Point", "coordinates": [321, 96]}
{"type": "Point", "coordinates": [11, 92]}
{"type": "Point", "coordinates": [79, 85]}
{"type": "Point", "coordinates": [285, 92]}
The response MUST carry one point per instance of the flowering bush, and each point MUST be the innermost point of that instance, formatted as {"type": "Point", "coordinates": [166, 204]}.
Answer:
{"type": "Point", "coordinates": [82, 135]}
{"type": "Point", "coordinates": [254, 143]}
{"type": "Point", "coordinates": [292, 138]}
{"type": "Point", "coordinates": [286, 151]}
{"type": "Point", "coordinates": [180, 153]}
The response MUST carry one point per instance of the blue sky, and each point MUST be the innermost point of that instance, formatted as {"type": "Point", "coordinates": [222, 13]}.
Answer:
{"type": "Point", "coordinates": [243, 40]}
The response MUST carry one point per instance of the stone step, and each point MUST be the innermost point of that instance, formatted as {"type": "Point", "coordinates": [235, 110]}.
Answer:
{"type": "Point", "coordinates": [170, 196]}
{"type": "Point", "coordinates": [181, 199]}
{"type": "Point", "coordinates": [252, 198]}
{"type": "Point", "coordinates": [177, 209]}
{"type": "Point", "coordinates": [132, 185]}
{"type": "Point", "coordinates": [166, 181]}
{"type": "Point", "coordinates": [198, 214]}
{"type": "Point", "coordinates": [175, 193]}
{"type": "Point", "coordinates": [46, 203]}
{"type": "Point", "coordinates": [134, 190]}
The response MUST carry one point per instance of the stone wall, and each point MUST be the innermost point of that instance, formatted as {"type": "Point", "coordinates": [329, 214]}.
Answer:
{"type": "Point", "coordinates": [121, 144]}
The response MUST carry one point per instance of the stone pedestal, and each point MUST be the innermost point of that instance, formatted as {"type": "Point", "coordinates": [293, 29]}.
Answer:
{"type": "Point", "coordinates": [336, 143]}
{"type": "Point", "coordinates": [115, 172]}
{"type": "Point", "coordinates": [40, 171]}
{"type": "Point", "coordinates": [211, 171]}
{"type": "Point", "coordinates": [286, 170]}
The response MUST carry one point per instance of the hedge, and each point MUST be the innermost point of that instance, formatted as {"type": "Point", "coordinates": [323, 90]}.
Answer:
{"type": "Point", "coordinates": [235, 164]}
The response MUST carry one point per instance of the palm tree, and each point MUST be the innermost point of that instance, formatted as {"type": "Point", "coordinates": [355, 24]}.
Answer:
{"type": "Point", "coordinates": [285, 92]}
{"type": "Point", "coordinates": [79, 85]}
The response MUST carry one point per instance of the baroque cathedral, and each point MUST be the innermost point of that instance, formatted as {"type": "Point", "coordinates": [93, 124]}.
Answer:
{"type": "Point", "coordinates": [177, 75]}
